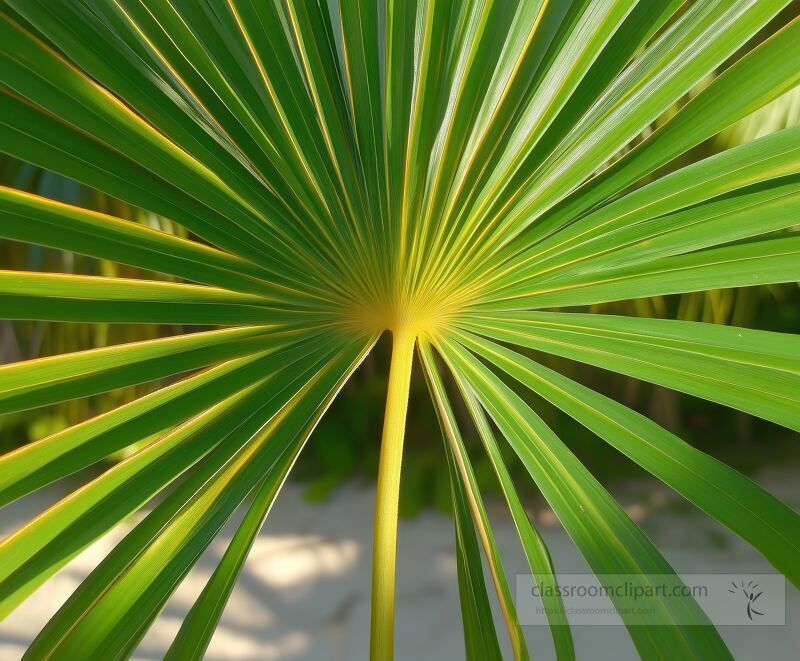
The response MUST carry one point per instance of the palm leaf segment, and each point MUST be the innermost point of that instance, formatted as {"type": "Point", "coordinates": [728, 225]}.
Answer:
{"type": "Point", "coordinates": [431, 168]}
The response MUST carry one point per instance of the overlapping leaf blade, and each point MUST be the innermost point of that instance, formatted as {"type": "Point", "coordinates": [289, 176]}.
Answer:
{"type": "Point", "coordinates": [467, 498]}
{"type": "Point", "coordinates": [729, 365]}
{"type": "Point", "coordinates": [746, 508]}
{"type": "Point", "coordinates": [613, 545]}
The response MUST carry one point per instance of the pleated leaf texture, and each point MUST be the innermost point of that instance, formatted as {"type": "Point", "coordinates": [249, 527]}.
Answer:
{"type": "Point", "coordinates": [449, 171]}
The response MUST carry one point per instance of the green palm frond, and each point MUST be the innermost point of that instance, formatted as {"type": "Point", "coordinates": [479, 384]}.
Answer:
{"type": "Point", "coordinates": [445, 171]}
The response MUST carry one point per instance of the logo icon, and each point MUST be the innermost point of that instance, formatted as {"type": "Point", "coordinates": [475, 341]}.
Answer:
{"type": "Point", "coordinates": [751, 594]}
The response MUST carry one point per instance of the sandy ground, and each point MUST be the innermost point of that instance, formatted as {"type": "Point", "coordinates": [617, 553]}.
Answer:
{"type": "Point", "coordinates": [304, 594]}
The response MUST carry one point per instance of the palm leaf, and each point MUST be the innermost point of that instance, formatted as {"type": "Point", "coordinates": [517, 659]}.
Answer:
{"type": "Point", "coordinates": [445, 171]}
{"type": "Point", "coordinates": [467, 498]}
{"type": "Point", "coordinates": [612, 544]}
{"type": "Point", "coordinates": [539, 560]}
{"type": "Point", "coordinates": [739, 503]}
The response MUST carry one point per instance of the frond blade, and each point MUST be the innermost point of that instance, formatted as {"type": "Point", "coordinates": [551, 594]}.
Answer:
{"type": "Point", "coordinates": [730, 497]}
{"type": "Point", "coordinates": [594, 520]}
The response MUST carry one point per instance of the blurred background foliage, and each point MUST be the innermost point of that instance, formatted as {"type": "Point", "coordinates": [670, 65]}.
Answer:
{"type": "Point", "coordinates": [346, 444]}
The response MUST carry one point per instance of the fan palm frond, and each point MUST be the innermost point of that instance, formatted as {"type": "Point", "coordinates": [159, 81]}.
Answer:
{"type": "Point", "coordinates": [438, 170]}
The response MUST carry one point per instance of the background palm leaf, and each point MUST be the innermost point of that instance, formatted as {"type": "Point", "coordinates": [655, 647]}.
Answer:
{"type": "Point", "coordinates": [446, 171]}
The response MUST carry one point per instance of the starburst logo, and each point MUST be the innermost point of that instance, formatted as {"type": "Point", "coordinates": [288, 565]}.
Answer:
{"type": "Point", "coordinates": [751, 594]}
